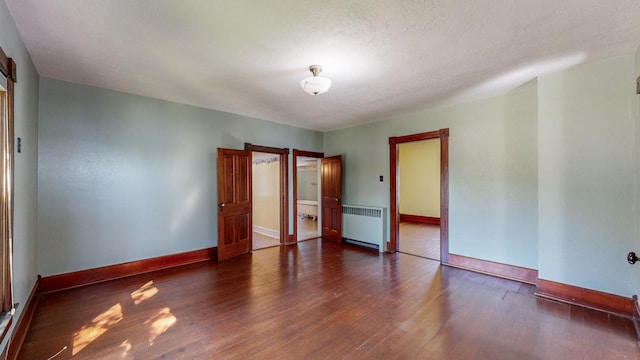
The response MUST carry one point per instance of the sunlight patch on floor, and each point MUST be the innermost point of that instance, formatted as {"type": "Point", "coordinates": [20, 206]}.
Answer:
{"type": "Point", "coordinates": [99, 325]}
{"type": "Point", "coordinates": [126, 345]}
{"type": "Point", "coordinates": [159, 323]}
{"type": "Point", "coordinates": [144, 293]}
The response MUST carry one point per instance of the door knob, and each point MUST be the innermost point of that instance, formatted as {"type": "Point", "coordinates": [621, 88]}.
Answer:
{"type": "Point", "coordinates": [221, 206]}
{"type": "Point", "coordinates": [632, 258]}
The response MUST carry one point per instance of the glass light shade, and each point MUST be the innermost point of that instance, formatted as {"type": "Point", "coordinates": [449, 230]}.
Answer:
{"type": "Point", "coordinates": [315, 85]}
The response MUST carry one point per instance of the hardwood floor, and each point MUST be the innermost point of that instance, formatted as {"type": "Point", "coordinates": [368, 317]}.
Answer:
{"type": "Point", "coordinates": [420, 239]}
{"type": "Point", "coordinates": [307, 228]}
{"type": "Point", "coordinates": [261, 241]}
{"type": "Point", "coordinates": [317, 300]}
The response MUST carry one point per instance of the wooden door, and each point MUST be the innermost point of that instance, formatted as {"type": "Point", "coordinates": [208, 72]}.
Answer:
{"type": "Point", "coordinates": [234, 203]}
{"type": "Point", "coordinates": [331, 206]}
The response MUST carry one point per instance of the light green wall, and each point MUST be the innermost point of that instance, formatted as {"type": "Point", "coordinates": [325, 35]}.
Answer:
{"type": "Point", "coordinates": [493, 212]}
{"type": "Point", "coordinates": [26, 163]}
{"type": "Point", "coordinates": [125, 177]}
{"type": "Point", "coordinates": [587, 117]}
{"type": "Point", "coordinates": [544, 177]}
{"type": "Point", "coordinates": [419, 178]}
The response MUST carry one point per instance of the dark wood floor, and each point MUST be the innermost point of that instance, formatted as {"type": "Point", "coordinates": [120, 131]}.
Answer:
{"type": "Point", "coordinates": [316, 300]}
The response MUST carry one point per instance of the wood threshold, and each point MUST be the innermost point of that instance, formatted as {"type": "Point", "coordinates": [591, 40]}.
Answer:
{"type": "Point", "coordinates": [588, 298]}
{"type": "Point", "coordinates": [506, 271]}
{"type": "Point", "coordinates": [71, 280]}
{"type": "Point", "coordinates": [419, 219]}
{"type": "Point", "coordinates": [24, 322]}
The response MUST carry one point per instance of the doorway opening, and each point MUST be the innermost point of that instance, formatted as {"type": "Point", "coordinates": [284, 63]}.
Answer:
{"type": "Point", "coordinates": [410, 220]}
{"type": "Point", "coordinates": [419, 198]}
{"type": "Point", "coordinates": [306, 195]}
{"type": "Point", "coordinates": [269, 223]}
{"type": "Point", "coordinates": [265, 183]}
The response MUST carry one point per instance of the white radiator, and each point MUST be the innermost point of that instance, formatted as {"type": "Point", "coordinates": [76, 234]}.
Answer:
{"type": "Point", "coordinates": [364, 225]}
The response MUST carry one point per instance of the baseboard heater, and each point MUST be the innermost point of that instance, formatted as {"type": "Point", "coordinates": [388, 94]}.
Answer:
{"type": "Point", "coordinates": [364, 226]}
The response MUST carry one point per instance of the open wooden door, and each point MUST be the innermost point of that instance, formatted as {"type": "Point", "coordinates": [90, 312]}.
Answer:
{"type": "Point", "coordinates": [331, 206]}
{"type": "Point", "coordinates": [234, 203]}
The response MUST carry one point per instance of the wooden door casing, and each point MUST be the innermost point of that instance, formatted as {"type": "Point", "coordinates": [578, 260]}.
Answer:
{"type": "Point", "coordinates": [234, 203]}
{"type": "Point", "coordinates": [283, 154]}
{"type": "Point", "coordinates": [331, 178]}
{"type": "Point", "coordinates": [394, 141]}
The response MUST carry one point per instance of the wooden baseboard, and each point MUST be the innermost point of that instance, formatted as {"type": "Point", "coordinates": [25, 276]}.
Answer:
{"type": "Point", "coordinates": [55, 283]}
{"type": "Point", "coordinates": [588, 298]}
{"type": "Point", "coordinates": [506, 271]}
{"type": "Point", "coordinates": [419, 219]}
{"type": "Point", "coordinates": [24, 321]}
{"type": "Point", "coordinates": [636, 316]}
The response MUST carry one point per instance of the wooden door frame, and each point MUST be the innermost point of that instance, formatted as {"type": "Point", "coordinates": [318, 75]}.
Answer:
{"type": "Point", "coordinates": [8, 70]}
{"type": "Point", "coordinates": [296, 153]}
{"type": "Point", "coordinates": [394, 141]}
{"type": "Point", "coordinates": [284, 185]}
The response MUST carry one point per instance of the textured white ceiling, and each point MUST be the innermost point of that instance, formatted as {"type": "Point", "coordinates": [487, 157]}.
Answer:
{"type": "Point", "coordinates": [384, 57]}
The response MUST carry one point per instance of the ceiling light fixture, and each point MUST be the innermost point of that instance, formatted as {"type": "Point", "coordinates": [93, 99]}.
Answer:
{"type": "Point", "coordinates": [315, 85]}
